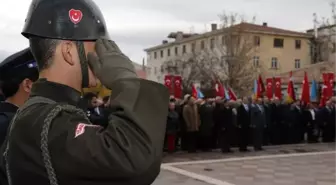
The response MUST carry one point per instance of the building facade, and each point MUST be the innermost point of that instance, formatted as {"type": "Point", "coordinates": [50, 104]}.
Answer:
{"type": "Point", "coordinates": [324, 48]}
{"type": "Point", "coordinates": [272, 49]}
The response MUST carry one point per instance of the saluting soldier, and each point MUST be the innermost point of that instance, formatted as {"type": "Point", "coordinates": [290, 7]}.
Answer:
{"type": "Point", "coordinates": [51, 141]}
{"type": "Point", "coordinates": [17, 74]}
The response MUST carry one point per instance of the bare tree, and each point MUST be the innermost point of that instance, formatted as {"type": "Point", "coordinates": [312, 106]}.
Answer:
{"type": "Point", "coordinates": [225, 54]}
{"type": "Point", "coordinates": [323, 43]}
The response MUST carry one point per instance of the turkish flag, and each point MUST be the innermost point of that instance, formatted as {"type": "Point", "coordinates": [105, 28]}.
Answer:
{"type": "Point", "coordinates": [219, 89]}
{"type": "Point", "coordinates": [325, 89]}
{"type": "Point", "coordinates": [277, 88]}
{"type": "Point", "coordinates": [168, 83]}
{"type": "Point", "coordinates": [232, 94]}
{"type": "Point", "coordinates": [260, 88]}
{"type": "Point", "coordinates": [193, 91]}
{"type": "Point", "coordinates": [305, 96]}
{"type": "Point", "coordinates": [269, 88]}
{"type": "Point", "coordinates": [331, 78]}
{"type": "Point", "coordinates": [178, 87]}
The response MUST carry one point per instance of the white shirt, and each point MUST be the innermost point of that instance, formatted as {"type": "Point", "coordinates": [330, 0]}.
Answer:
{"type": "Point", "coordinates": [312, 112]}
{"type": "Point", "coordinates": [246, 107]}
{"type": "Point", "coordinates": [97, 110]}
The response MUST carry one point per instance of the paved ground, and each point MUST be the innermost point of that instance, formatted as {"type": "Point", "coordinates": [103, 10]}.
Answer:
{"type": "Point", "coordinates": [279, 165]}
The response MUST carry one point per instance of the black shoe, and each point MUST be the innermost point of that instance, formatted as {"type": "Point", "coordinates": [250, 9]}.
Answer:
{"type": "Point", "coordinates": [227, 151]}
{"type": "Point", "coordinates": [244, 150]}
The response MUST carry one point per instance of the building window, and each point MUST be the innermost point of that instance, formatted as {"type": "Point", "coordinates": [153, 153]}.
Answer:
{"type": "Point", "coordinates": [256, 41]}
{"type": "Point", "coordinates": [193, 45]}
{"type": "Point", "coordinates": [155, 55]}
{"type": "Point", "coordinates": [212, 43]}
{"type": "Point", "coordinates": [274, 64]}
{"type": "Point", "coordinates": [297, 64]}
{"type": "Point", "coordinates": [184, 49]}
{"type": "Point", "coordinates": [278, 43]}
{"type": "Point", "coordinates": [333, 49]}
{"type": "Point", "coordinates": [297, 44]}
{"type": "Point", "coordinates": [161, 53]}
{"type": "Point", "coordinates": [223, 40]}
{"type": "Point", "coordinates": [255, 61]}
{"type": "Point", "coordinates": [168, 52]}
{"type": "Point", "coordinates": [202, 44]}
{"type": "Point", "coordinates": [155, 70]}
{"type": "Point", "coordinates": [176, 50]}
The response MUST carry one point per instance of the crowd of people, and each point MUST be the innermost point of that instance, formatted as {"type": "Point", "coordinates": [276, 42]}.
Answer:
{"type": "Point", "coordinates": [212, 123]}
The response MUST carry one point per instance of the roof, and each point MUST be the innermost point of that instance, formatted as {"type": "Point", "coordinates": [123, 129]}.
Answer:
{"type": "Point", "coordinates": [248, 27]}
{"type": "Point", "coordinates": [323, 27]}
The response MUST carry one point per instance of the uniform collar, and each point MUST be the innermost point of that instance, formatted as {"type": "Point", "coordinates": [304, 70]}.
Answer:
{"type": "Point", "coordinates": [8, 107]}
{"type": "Point", "coordinates": [55, 91]}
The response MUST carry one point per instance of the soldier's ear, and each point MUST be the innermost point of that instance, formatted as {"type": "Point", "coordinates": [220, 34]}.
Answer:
{"type": "Point", "coordinates": [27, 85]}
{"type": "Point", "coordinates": [69, 52]}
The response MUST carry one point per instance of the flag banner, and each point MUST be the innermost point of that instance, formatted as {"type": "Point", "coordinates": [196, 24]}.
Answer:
{"type": "Point", "coordinates": [260, 88]}
{"type": "Point", "coordinates": [331, 79]}
{"type": "Point", "coordinates": [277, 88]}
{"type": "Point", "coordinates": [290, 89]}
{"type": "Point", "coordinates": [168, 83]}
{"type": "Point", "coordinates": [199, 93]}
{"type": "Point", "coordinates": [305, 96]}
{"type": "Point", "coordinates": [269, 88]}
{"type": "Point", "coordinates": [313, 91]}
{"type": "Point", "coordinates": [232, 95]}
{"type": "Point", "coordinates": [178, 87]}
{"type": "Point", "coordinates": [193, 91]}
{"type": "Point", "coordinates": [219, 89]}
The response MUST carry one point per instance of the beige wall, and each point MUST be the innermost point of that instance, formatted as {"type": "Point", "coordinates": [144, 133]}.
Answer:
{"type": "Point", "coordinates": [286, 56]}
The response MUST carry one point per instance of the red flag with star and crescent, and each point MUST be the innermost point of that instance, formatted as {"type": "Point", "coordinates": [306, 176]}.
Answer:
{"type": "Point", "coordinates": [326, 91]}
{"type": "Point", "coordinates": [331, 79]}
{"type": "Point", "coordinates": [219, 89]}
{"type": "Point", "coordinates": [269, 88]}
{"type": "Point", "coordinates": [277, 88]}
{"type": "Point", "coordinates": [168, 81]}
{"type": "Point", "coordinates": [178, 87]}
{"type": "Point", "coordinates": [193, 91]}
{"type": "Point", "coordinates": [305, 95]}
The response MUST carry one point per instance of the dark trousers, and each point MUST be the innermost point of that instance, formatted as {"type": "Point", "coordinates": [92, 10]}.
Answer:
{"type": "Point", "coordinates": [191, 141]}
{"type": "Point", "coordinates": [258, 137]}
{"type": "Point", "coordinates": [225, 140]}
{"type": "Point", "coordinates": [243, 138]}
{"type": "Point", "coordinates": [205, 142]}
{"type": "Point", "coordinates": [312, 132]}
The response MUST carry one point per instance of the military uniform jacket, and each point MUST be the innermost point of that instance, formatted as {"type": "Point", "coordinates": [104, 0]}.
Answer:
{"type": "Point", "coordinates": [7, 112]}
{"type": "Point", "coordinates": [127, 151]}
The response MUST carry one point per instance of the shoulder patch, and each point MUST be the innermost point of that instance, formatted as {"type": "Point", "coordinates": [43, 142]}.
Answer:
{"type": "Point", "coordinates": [80, 129]}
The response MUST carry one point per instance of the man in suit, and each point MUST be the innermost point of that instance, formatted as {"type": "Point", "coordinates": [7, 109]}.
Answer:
{"type": "Point", "coordinates": [328, 122]}
{"type": "Point", "coordinates": [258, 122]}
{"type": "Point", "coordinates": [296, 130]}
{"type": "Point", "coordinates": [227, 128]}
{"type": "Point", "coordinates": [243, 122]}
{"type": "Point", "coordinates": [310, 119]}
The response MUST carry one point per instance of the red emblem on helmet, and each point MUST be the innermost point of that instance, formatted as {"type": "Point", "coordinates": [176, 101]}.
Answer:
{"type": "Point", "coordinates": [75, 16]}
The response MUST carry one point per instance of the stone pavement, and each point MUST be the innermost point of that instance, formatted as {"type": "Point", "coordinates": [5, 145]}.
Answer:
{"type": "Point", "coordinates": [312, 164]}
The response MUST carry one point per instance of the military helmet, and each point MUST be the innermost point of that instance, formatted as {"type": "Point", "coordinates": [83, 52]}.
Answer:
{"type": "Point", "coordinates": [75, 20]}
{"type": "Point", "coordinates": [78, 20]}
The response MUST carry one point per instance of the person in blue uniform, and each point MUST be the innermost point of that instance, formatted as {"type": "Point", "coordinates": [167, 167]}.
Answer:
{"type": "Point", "coordinates": [17, 74]}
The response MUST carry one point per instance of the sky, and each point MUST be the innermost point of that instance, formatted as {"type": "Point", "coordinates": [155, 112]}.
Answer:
{"type": "Point", "coordinates": [138, 24]}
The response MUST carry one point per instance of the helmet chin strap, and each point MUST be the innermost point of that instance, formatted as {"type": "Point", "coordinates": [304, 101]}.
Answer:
{"type": "Point", "coordinates": [84, 64]}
